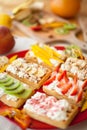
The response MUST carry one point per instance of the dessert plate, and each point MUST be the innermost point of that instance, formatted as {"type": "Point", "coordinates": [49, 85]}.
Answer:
{"type": "Point", "coordinates": [81, 116]}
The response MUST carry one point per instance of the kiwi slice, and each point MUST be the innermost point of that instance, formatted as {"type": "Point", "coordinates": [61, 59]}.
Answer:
{"type": "Point", "coordinates": [6, 79]}
{"type": "Point", "coordinates": [2, 86]}
{"type": "Point", "coordinates": [19, 89]}
{"type": "Point", "coordinates": [70, 26]}
{"type": "Point", "coordinates": [61, 31]}
{"type": "Point", "coordinates": [25, 94]}
{"type": "Point", "coordinates": [9, 82]}
{"type": "Point", "coordinates": [13, 86]}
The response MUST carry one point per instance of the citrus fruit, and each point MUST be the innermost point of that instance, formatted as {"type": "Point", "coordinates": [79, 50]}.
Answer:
{"type": "Point", "coordinates": [65, 8]}
{"type": "Point", "coordinates": [5, 20]}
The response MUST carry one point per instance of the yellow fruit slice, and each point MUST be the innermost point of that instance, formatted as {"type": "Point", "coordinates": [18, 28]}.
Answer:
{"type": "Point", "coordinates": [3, 68]}
{"type": "Point", "coordinates": [84, 107]}
{"type": "Point", "coordinates": [52, 53]}
{"type": "Point", "coordinates": [40, 51]}
{"type": "Point", "coordinates": [5, 20]}
{"type": "Point", "coordinates": [48, 50]}
{"type": "Point", "coordinates": [46, 53]}
{"type": "Point", "coordinates": [41, 56]}
{"type": "Point", "coordinates": [53, 25]}
{"type": "Point", "coordinates": [13, 58]}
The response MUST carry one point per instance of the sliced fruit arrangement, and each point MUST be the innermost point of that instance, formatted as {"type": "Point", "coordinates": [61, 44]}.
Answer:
{"type": "Point", "coordinates": [13, 89]}
{"type": "Point", "coordinates": [68, 87]}
{"type": "Point", "coordinates": [13, 86]}
{"type": "Point", "coordinates": [46, 54]}
{"type": "Point", "coordinates": [45, 26]}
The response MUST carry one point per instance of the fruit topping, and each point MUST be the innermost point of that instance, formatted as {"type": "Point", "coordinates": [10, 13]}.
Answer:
{"type": "Point", "coordinates": [7, 41]}
{"type": "Point", "coordinates": [14, 87]}
{"type": "Point", "coordinates": [60, 82]}
{"type": "Point", "coordinates": [46, 54]}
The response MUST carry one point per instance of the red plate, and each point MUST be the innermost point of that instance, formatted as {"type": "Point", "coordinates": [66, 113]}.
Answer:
{"type": "Point", "coordinates": [36, 124]}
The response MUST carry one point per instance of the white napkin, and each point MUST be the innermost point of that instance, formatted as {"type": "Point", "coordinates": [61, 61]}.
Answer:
{"type": "Point", "coordinates": [5, 124]}
{"type": "Point", "coordinates": [22, 43]}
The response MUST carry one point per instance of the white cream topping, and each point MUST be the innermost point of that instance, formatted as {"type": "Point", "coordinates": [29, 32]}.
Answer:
{"type": "Point", "coordinates": [2, 75]}
{"type": "Point", "coordinates": [53, 86]}
{"type": "Point", "coordinates": [1, 92]}
{"type": "Point", "coordinates": [54, 62]}
{"type": "Point", "coordinates": [59, 115]}
{"type": "Point", "coordinates": [27, 70]}
{"type": "Point", "coordinates": [3, 60]}
{"type": "Point", "coordinates": [11, 97]}
{"type": "Point", "coordinates": [48, 106]}
{"type": "Point", "coordinates": [76, 66]}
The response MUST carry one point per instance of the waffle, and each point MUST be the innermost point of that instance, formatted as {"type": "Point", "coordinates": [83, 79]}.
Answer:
{"type": "Point", "coordinates": [48, 109]}
{"type": "Point", "coordinates": [45, 54]}
{"type": "Point", "coordinates": [76, 66]}
{"type": "Point", "coordinates": [61, 85]}
{"type": "Point", "coordinates": [13, 92]}
{"type": "Point", "coordinates": [31, 73]}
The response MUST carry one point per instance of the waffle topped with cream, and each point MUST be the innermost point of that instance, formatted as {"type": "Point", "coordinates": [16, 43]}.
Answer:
{"type": "Point", "coordinates": [29, 72]}
{"type": "Point", "coordinates": [76, 66]}
{"type": "Point", "coordinates": [50, 110]}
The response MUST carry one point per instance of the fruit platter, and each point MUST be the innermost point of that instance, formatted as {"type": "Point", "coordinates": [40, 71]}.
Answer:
{"type": "Point", "coordinates": [44, 87]}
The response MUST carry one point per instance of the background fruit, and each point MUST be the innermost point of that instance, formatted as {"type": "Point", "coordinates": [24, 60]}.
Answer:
{"type": "Point", "coordinates": [5, 20]}
{"type": "Point", "coordinates": [65, 8]}
{"type": "Point", "coordinates": [7, 41]}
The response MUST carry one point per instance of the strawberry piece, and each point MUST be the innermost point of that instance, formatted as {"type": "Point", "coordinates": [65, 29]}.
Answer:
{"type": "Point", "coordinates": [66, 77]}
{"type": "Point", "coordinates": [66, 88]}
{"type": "Point", "coordinates": [50, 80]}
{"type": "Point", "coordinates": [75, 79]}
{"type": "Point", "coordinates": [75, 87]}
{"type": "Point", "coordinates": [36, 28]}
{"type": "Point", "coordinates": [57, 69]}
{"type": "Point", "coordinates": [60, 47]}
{"type": "Point", "coordinates": [84, 84]}
{"type": "Point", "coordinates": [74, 90]}
{"type": "Point", "coordinates": [61, 75]}
{"type": "Point", "coordinates": [61, 84]}
{"type": "Point", "coordinates": [79, 97]}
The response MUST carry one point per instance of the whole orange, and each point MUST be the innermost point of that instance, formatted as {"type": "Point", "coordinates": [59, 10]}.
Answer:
{"type": "Point", "coordinates": [65, 8]}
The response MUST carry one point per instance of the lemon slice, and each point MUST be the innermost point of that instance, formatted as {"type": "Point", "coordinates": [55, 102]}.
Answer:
{"type": "Point", "coordinates": [5, 20]}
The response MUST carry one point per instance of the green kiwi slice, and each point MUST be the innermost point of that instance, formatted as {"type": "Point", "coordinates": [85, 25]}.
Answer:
{"type": "Point", "coordinates": [13, 86]}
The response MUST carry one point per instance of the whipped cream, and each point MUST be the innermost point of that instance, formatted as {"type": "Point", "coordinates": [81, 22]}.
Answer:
{"type": "Point", "coordinates": [32, 71]}
{"type": "Point", "coordinates": [48, 106]}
